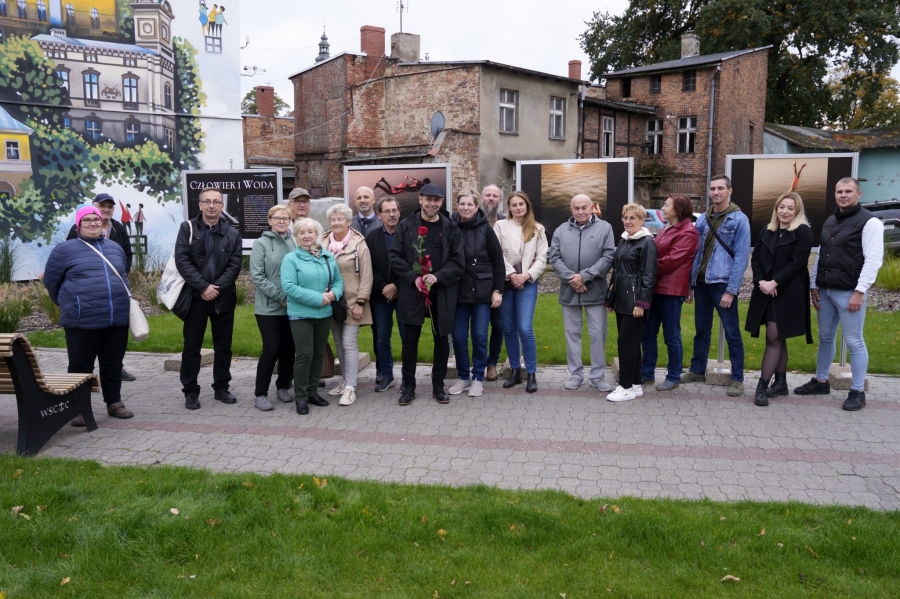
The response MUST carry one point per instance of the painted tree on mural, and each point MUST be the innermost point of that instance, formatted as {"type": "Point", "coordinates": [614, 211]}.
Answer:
{"type": "Point", "coordinates": [189, 97]}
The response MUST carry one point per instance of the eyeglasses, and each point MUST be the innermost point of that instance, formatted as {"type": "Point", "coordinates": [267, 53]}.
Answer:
{"type": "Point", "coordinates": [90, 221]}
{"type": "Point", "coordinates": [211, 202]}
{"type": "Point", "coordinates": [281, 219]}
{"type": "Point", "coordinates": [303, 201]}
{"type": "Point", "coordinates": [391, 211]}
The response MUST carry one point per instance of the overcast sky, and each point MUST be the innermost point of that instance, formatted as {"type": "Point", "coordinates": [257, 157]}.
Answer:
{"type": "Point", "coordinates": [543, 36]}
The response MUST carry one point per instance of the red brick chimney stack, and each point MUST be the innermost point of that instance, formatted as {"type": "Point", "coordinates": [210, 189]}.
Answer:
{"type": "Point", "coordinates": [574, 69]}
{"type": "Point", "coordinates": [265, 101]}
{"type": "Point", "coordinates": [372, 41]}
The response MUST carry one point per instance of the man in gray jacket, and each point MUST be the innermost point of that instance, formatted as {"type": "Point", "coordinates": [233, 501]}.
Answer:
{"type": "Point", "coordinates": [582, 254]}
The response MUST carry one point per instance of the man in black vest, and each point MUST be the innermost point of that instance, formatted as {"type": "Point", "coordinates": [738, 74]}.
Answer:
{"type": "Point", "coordinates": [850, 253]}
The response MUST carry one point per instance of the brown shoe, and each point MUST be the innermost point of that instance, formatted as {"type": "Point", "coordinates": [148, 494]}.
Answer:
{"type": "Point", "coordinates": [491, 374]}
{"type": "Point", "coordinates": [78, 421]}
{"type": "Point", "coordinates": [118, 410]}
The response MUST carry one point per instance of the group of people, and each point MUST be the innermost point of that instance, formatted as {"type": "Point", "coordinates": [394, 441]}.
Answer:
{"type": "Point", "coordinates": [474, 276]}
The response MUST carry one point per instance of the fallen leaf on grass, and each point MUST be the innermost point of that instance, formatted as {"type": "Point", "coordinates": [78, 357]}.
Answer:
{"type": "Point", "coordinates": [722, 518]}
{"type": "Point", "coordinates": [248, 485]}
{"type": "Point", "coordinates": [173, 511]}
{"type": "Point", "coordinates": [416, 544]}
{"type": "Point", "coordinates": [852, 538]}
{"type": "Point", "coordinates": [603, 508]}
{"type": "Point", "coordinates": [762, 533]}
{"type": "Point", "coordinates": [436, 596]}
{"type": "Point", "coordinates": [17, 473]}
{"type": "Point", "coordinates": [65, 580]}
{"type": "Point", "coordinates": [811, 551]}
{"type": "Point", "coordinates": [41, 509]}
{"type": "Point", "coordinates": [616, 509]}
{"type": "Point", "coordinates": [17, 509]}
{"type": "Point", "coordinates": [512, 526]}
{"type": "Point", "coordinates": [452, 582]}
{"type": "Point", "coordinates": [320, 482]}
{"type": "Point", "coordinates": [213, 522]}
{"type": "Point", "coordinates": [72, 519]}
{"type": "Point", "coordinates": [730, 578]}
{"type": "Point", "coordinates": [563, 595]}
{"type": "Point", "coordinates": [24, 515]}
{"type": "Point", "coordinates": [781, 544]}
{"type": "Point", "coordinates": [301, 486]}
{"type": "Point", "coordinates": [850, 521]}
{"type": "Point", "coordinates": [442, 533]}
{"type": "Point", "coordinates": [424, 519]}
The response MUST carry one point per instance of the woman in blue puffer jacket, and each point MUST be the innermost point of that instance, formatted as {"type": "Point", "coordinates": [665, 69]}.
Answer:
{"type": "Point", "coordinates": [93, 305]}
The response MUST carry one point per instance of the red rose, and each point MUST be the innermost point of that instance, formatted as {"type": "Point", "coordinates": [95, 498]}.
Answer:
{"type": "Point", "coordinates": [423, 231]}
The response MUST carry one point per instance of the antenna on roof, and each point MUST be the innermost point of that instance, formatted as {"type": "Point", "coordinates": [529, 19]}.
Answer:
{"type": "Point", "coordinates": [402, 7]}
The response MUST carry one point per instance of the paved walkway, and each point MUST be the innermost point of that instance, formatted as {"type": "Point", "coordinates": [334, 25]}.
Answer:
{"type": "Point", "coordinates": [693, 442]}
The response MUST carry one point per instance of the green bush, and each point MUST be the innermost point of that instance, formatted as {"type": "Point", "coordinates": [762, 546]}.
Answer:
{"type": "Point", "coordinates": [9, 258]}
{"type": "Point", "coordinates": [15, 304]}
{"type": "Point", "coordinates": [889, 275]}
{"type": "Point", "coordinates": [40, 297]}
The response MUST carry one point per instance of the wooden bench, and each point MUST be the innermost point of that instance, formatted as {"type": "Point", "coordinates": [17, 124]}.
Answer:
{"type": "Point", "coordinates": [46, 402]}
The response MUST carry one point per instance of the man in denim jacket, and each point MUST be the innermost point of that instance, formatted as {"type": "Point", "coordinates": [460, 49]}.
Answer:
{"type": "Point", "coordinates": [716, 280]}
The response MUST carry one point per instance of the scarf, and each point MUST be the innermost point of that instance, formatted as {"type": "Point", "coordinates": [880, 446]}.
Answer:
{"type": "Point", "coordinates": [336, 247]}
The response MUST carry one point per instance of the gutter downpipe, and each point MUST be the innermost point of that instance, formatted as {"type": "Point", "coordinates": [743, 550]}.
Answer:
{"type": "Point", "coordinates": [709, 149]}
{"type": "Point", "coordinates": [579, 150]}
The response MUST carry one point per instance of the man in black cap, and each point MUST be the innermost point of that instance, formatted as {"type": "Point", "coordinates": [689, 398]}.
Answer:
{"type": "Point", "coordinates": [114, 231]}
{"type": "Point", "coordinates": [427, 290]}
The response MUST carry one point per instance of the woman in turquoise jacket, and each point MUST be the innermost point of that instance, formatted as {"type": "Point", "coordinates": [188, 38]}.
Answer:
{"type": "Point", "coordinates": [311, 281]}
{"type": "Point", "coordinates": [270, 309]}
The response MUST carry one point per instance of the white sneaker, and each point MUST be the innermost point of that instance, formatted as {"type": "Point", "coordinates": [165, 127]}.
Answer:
{"type": "Point", "coordinates": [621, 394]}
{"type": "Point", "coordinates": [347, 397]}
{"type": "Point", "coordinates": [638, 390]}
{"type": "Point", "coordinates": [337, 390]}
{"type": "Point", "coordinates": [476, 389]}
{"type": "Point", "coordinates": [459, 386]}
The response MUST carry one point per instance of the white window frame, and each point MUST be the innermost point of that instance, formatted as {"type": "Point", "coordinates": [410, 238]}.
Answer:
{"type": "Point", "coordinates": [557, 118]}
{"type": "Point", "coordinates": [170, 138]}
{"type": "Point", "coordinates": [608, 137]}
{"type": "Point", "coordinates": [12, 150]}
{"type": "Point", "coordinates": [687, 134]}
{"type": "Point", "coordinates": [509, 103]}
{"type": "Point", "coordinates": [654, 137]}
{"type": "Point", "coordinates": [132, 130]}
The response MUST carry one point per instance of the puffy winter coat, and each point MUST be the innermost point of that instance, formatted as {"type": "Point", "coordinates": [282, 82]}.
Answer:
{"type": "Point", "coordinates": [485, 271]}
{"type": "Point", "coordinates": [635, 272]}
{"type": "Point", "coordinates": [117, 233]}
{"type": "Point", "coordinates": [81, 283]}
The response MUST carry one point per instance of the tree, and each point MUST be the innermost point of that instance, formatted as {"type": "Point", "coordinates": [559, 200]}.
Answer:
{"type": "Point", "coordinates": [853, 114]}
{"type": "Point", "coordinates": [807, 37]}
{"type": "Point", "coordinates": [248, 104]}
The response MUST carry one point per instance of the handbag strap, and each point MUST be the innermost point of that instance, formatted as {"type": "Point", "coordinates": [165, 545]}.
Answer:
{"type": "Point", "coordinates": [99, 253]}
{"type": "Point", "coordinates": [328, 268]}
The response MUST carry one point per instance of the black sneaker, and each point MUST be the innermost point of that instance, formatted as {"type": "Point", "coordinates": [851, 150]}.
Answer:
{"type": "Point", "coordinates": [856, 400]}
{"type": "Point", "coordinates": [813, 387]}
{"type": "Point", "coordinates": [317, 400]}
{"type": "Point", "coordinates": [191, 401]}
{"type": "Point", "coordinates": [225, 396]}
{"type": "Point", "coordinates": [407, 397]}
{"type": "Point", "coordinates": [384, 384]}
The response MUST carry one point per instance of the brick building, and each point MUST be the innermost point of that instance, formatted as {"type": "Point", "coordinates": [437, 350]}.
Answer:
{"type": "Point", "coordinates": [371, 108]}
{"type": "Point", "coordinates": [269, 139]}
{"type": "Point", "coordinates": [661, 115]}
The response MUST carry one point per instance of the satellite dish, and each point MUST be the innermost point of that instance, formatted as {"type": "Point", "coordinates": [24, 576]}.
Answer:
{"type": "Point", "coordinates": [437, 123]}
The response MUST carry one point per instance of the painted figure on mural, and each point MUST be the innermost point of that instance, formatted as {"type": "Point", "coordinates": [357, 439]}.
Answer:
{"type": "Point", "coordinates": [140, 219]}
{"type": "Point", "coordinates": [204, 19]}
{"type": "Point", "coordinates": [220, 20]}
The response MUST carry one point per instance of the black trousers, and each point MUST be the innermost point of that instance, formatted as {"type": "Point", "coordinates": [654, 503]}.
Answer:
{"type": "Point", "coordinates": [108, 345]}
{"type": "Point", "coordinates": [410, 353]}
{"type": "Point", "coordinates": [631, 332]}
{"type": "Point", "coordinates": [193, 331]}
{"type": "Point", "coordinates": [277, 345]}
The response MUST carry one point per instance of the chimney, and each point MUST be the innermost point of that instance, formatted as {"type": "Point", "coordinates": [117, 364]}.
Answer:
{"type": "Point", "coordinates": [405, 47]}
{"type": "Point", "coordinates": [265, 101]}
{"type": "Point", "coordinates": [690, 45]}
{"type": "Point", "coordinates": [574, 69]}
{"type": "Point", "coordinates": [372, 40]}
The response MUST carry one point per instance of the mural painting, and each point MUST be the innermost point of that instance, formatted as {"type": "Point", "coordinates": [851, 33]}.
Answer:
{"type": "Point", "coordinates": [112, 96]}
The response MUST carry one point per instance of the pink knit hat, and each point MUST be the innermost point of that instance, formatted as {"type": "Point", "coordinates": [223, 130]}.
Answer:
{"type": "Point", "coordinates": [82, 212]}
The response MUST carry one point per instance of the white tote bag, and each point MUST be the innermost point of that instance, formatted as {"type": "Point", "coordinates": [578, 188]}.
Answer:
{"type": "Point", "coordinates": [171, 282]}
{"type": "Point", "coordinates": [137, 322]}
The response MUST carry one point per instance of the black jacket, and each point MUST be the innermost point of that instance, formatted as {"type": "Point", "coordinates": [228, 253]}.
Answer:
{"type": "Point", "coordinates": [382, 272]}
{"type": "Point", "coordinates": [411, 306]}
{"type": "Point", "coordinates": [484, 268]}
{"type": "Point", "coordinates": [635, 273]}
{"type": "Point", "coordinates": [118, 234]}
{"type": "Point", "coordinates": [783, 260]}
{"type": "Point", "coordinates": [190, 259]}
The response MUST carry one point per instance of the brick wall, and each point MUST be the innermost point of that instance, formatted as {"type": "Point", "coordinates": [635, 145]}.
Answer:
{"type": "Point", "coordinates": [740, 107]}
{"type": "Point", "coordinates": [268, 138]}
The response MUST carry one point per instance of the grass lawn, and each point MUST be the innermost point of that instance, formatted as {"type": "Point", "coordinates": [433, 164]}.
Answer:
{"type": "Point", "coordinates": [882, 332]}
{"type": "Point", "coordinates": [85, 530]}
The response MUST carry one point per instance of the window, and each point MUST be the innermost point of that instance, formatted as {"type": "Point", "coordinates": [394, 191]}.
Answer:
{"type": "Point", "coordinates": [167, 96]}
{"type": "Point", "coordinates": [63, 76]}
{"type": "Point", "coordinates": [626, 88]}
{"type": "Point", "coordinates": [687, 134]}
{"type": "Point", "coordinates": [132, 130]}
{"type": "Point", "coordinates": [90, 57]}
{"type": "Point", "coordinates": [67, 122]}
{"type": "Point", "coordinates": [655, 84]}
{"type": "Point", "coordinates": [130, 89]}
{"type": "Point", "coordinates": [92, 127]}
{"type": "Point", "coordinates": [95, 18]}
{"type": "Point", "coordinates": [130, 62]}
{"type": "Point", "coordinates": [70, 15]}
{"type": "Point", "coordinates": [55, 53]}
{"type": "Point", "coordinates": [3, 12]}
{"type": "Point", "coordinates": [170, 138]}
{"type": "Point", "coordinates": [22, 9]}
{"type": "Point", "coordinates": [606, 146]}
{"type": "Point", "coordinates": [689, 81]}
{"type": "Point", "coordinates": [654, 137]}
{"type": "Point", "coordinates": [92, 88]}
{"type": "Point", "coordinates": [42, 10]}
{"type": "Point", "coordinates": [12, 150]}
{"type": "Point", "coordinates": [558, 118]}
{"type": "Point", "coordinates": [508, 101]}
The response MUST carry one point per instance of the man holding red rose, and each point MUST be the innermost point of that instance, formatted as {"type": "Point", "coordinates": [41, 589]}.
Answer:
{"type": "Point", "coordinates": [427, 256]}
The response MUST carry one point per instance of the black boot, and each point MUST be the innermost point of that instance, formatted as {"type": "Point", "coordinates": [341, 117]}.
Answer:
{"type": "Point", "coordinates": [515, 378]}
{"type": "Point", "coordinates": [762, 399]}
{"type": "Point", "coordinates": [779, 387]}
{"type": "Point", "coordinates": [302, 407]}
{"type": "Point", "coordinates": [531, 384]}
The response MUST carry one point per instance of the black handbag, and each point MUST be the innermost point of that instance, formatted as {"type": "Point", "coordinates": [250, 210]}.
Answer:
{"type": "Point", "coordinates": [338, 306]}
{"type": "Point", "coordinates": [611, 292]}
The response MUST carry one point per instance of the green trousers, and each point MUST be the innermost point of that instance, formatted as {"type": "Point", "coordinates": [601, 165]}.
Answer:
{"type": "Point", "coordinates": [310, 339]}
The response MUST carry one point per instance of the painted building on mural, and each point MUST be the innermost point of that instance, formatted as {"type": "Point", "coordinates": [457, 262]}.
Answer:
{"type": "Point", "coordinates": [89, 18]}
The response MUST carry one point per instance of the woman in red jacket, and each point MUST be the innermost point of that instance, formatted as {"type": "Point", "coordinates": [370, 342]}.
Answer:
{"type": "Point", "coordinates": [676, 245]}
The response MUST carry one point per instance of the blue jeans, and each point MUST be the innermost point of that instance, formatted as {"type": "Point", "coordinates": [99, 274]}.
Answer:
{"type": "Point", "coordinates": [833, 311]}
{"type": "Point", "coordinates": [495, 345]}
{"type": "Point", "coordinates": [479, 315]}
{"type": "Point", "coordinates": [664, 310]}
{"type": "Point", "coordinates": [518, 313]}
{"type": "Point", "coordinates": [706, 299]}
{"type": "Point", "coordinates": [383, 317]}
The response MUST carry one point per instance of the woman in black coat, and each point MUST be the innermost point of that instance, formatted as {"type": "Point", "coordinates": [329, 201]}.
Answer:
{"type": "Point", "coordinates": [780, 296]}
{"type": "Point", "coordinates": [634, 279]}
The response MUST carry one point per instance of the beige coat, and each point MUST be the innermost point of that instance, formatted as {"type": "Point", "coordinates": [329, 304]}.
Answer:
{"type": "Point", "coordinates": [534, 253]}
{"type": "Point", "coordinates": [355, 286]}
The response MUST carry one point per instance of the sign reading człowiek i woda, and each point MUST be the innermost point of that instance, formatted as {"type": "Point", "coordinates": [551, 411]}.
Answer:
{"type": "Point", "coordinates": [248, 195]}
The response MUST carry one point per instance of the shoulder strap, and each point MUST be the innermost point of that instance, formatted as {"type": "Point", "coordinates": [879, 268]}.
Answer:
{"type": "Point", "coordinates": [715, 231]}
{"type": "Point", "coordinates": [99, 253]}
{"type": "Point", "coordinates": [328, 268]}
